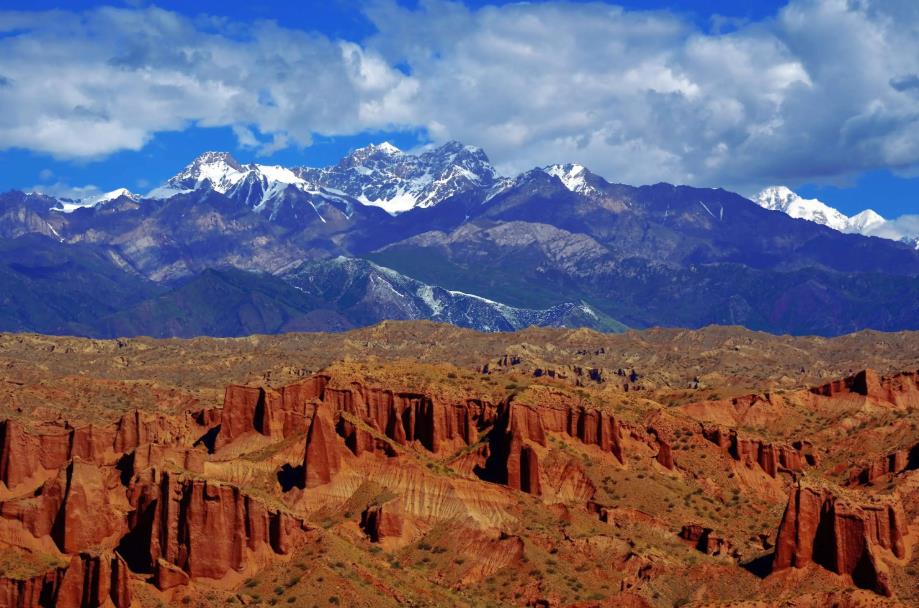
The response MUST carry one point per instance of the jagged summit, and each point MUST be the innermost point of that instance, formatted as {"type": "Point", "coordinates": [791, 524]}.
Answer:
{"type": "Point", "coordinates": [379, 175]}
{"type": "Point", "coordinates": [782, 198]}
{"type": "Point", "coordinates": [575, 177]}
{"type": "Point", "coordinates": [69, 205]}
{"type": "Point", "coordinates": [384, 176]}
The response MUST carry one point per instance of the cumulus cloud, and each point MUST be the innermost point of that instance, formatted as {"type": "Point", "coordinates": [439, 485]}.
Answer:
{"type": "Point", "coordinates": [819, 92]}
{"type": "Point", "coordinates": [905, 227]}
{"type": "Point", "coordinates": [83, 85]}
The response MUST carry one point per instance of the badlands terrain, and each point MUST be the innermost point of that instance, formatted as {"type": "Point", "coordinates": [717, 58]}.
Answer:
{"type": "Point", "coordinates": [418, 464]}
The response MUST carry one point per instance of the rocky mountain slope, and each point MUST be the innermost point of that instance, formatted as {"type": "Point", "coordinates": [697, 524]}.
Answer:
{"type": "Point", "coordinates": [558, 236]}
{"type": "Point", "coordinates": [419, 464]}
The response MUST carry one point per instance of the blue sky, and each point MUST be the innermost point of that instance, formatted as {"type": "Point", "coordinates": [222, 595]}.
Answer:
{"type": "Point", "coordinates": [820, 95]}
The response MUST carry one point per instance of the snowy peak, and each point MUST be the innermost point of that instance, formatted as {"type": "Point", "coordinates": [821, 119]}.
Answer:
{"type": "Point", "coordinates": [212, 159]}
{"type": "Point", "coordinates": [867, 222]}
{"type": "Point", "coordinates": [573, 176]}
{"type": "Point", "coordinates": [780, 198]}
{"type": "Point", "coordinates": [111, 196]}
{"type": "Point", "coordinates": [67, 205]}
{"type": "Point", "coordinates": [384, 176]}
{"type": "Point", "coordinates": [370, 157]}
{"type": "Point", "coordinates": [253, 184]}
{"type": "Point", "coordinates": [379, 175]}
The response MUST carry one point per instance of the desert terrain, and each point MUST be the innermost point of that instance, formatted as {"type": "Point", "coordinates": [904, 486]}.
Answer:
{"type": "Point", "coordinates": [418, 464]}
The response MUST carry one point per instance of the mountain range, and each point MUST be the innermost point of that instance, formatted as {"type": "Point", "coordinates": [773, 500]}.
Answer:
{"type": "Point", "coordinates": [866, 223]}
{"type": "Point", "coordinates": [226, 248]}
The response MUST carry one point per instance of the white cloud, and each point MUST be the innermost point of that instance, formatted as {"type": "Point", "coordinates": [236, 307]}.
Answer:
{"type": "Point", "coordinates": [645, 96]}
{"type": "Point", "coordinates": [823, 90]}
{"type": "Point", "coordinates": [85, 85]}
{"type": "Point", "coordinates": [903, 227]}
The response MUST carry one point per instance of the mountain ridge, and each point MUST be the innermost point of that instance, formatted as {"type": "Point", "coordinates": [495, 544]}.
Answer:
{"type": "Point", "coordinates": [550, 237]}
{"type": "Point", "coordinates": [867, 222]}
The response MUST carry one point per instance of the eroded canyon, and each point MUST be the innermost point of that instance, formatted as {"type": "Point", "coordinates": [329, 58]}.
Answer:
{"type": "Point", "coordinates": [423, 465]}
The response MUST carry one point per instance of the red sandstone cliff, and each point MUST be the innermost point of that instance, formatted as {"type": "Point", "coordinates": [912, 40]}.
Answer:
{"type": "Point", "coordinates": [845, 538]}
{"type": "Point", "coordinates": [771, 458]}
{"type": "Point", "coordinates": [88, 581]}
{"type": "Point", "coordinates": [25, 453]}
{"type": "Point", "coordinates": [72, 508]}
{"type": "Point", "coordinates": [889, 464]}
{"type": "Point", "coordinates": [323, 455]}
{"type": "Point", "coordinates": [203, 528]}
{"type": "Point", "coordinates": [899, 389]}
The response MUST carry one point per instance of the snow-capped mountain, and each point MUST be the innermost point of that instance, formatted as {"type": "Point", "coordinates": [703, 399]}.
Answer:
{"type": "Point", "coordinates": [384, 176]}
{"type": "Point", "coordinates": [574, 177]}
{"type": "Point", "coordinates": [377, 175]}
{"type": "Point", "coordinates": [69, 205]}
{"type": "Point", "coordinates": [866, 223]}
{"type": "Point", "coordinates": [780, 198]}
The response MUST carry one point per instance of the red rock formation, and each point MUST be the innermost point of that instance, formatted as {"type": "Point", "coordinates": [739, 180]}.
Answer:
{"type": "Point", "coordinates": [410, 417]}
{"type": "Point", "coordinates": [245, 409]}
{"type": "Point", "coordinates": [205, 529]}
{"type": "Point", "coordinates": [706, 541]}
{"type": "Point", "coordinates": [32, 592]}
{"type": "Point", "coordinates": [513, 454]}
{"type": "Point", "coordinates": [72, 508]}
{"type": "Point", "coordinates": [156, 455]}
{"type": "Point", "coordinates": [88, 581]}
{"type": "Point", "coordinates": [890, 464]}
{"type": "Point", "coordinates": [360, 441]}
{"type": "Point", "coordinates": [521, 460]}
{"type": "Point", "coordinates": [94, 580]}
{"type": "Point", "coordinates": [166, 576]}
{"type": "Point", "coordinates": [854, 540]}
{"type": "Point", "coordinates": [769, 457]}
{"type": "Point", "coordinates": [665, 455]}
{"type": "Point", "coordinates": [897, 389]}
{"type": "Point", "coordinates": [24, 453]}
{"type": "Point", "coordinates": [276, 414]}
{"type": "Point", "coordinates": [382, 521]}
{"type": "Point", "coordinates": [323, 456]}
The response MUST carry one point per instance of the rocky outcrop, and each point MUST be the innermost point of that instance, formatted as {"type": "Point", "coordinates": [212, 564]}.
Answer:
{"type": "Point", "coordinates": [771, 458]}
{"type": "Point", "coordinates": [406, 417]}
{"type": "Point", "coordinates": [167, 576]}
{"type": "Point", "coordinates": [906, 459]}
{"type": "Point", "coordinates": [94, 580]}
{"type": "Point", "coordinates": [25, 453]}
{"type": "Point", "coordinates": [88, 581]}
{"type": "Point", "coordinates": [380, 521]}
{"type": "Point", "coordinates": [664, 455]}
{"type": "Point", "coordinates": [899, 389]}
{"type": "Point", "coordinates": [705, 540]}
{"type": "Point", "coordinates": [851, 539]}
{"type": "Point", "coordinates": [272, 413]}
{"type": "Point", "coordinates": [403, 417]}
{"type": "Point", "coordinates": [206, 529]}
{"type": "Point", "coordinates": [359, 440]}
{"type": "Point", "coordinates": [73, 508]}
{"type": "Point", "coordinates": [162, 456]}
{"type": "Point", "coordinates": [520, 435]}
{"type": "Point", "coordinates": [323, 456]}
